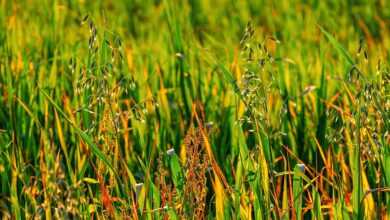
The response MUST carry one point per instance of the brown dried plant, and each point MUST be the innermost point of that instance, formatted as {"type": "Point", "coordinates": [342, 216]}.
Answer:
{"type": "Point", "coordinates": [196, 165]}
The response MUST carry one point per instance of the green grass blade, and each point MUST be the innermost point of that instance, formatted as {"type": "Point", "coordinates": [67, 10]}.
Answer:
{"type": "Point", "coordinates": [177, 175]}
{"type": "Point", "coordinates": [338, 46]}
{"type": "Point", "coordinates": [316, 211]}
{"type": "Point", "coordinates": [298, 190]}
{"type": "Point", "coordinates": [94, 148]}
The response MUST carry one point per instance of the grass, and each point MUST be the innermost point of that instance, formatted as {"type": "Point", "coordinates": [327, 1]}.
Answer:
{"type": "Point", "coordinates": [194, 109]}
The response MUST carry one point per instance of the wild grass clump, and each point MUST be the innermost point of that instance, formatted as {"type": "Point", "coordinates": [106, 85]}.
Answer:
{"type": "Point", "coordinates": [185, 110]}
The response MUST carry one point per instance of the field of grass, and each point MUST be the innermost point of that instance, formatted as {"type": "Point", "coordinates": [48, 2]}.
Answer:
{"type": "Point", "coordinates": [194, 109]}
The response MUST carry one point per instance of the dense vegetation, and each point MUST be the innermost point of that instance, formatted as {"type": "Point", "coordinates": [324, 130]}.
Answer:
{"type": "Point", "coordinates": [195, 109]}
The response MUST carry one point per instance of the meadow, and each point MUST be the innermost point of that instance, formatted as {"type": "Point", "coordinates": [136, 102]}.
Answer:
{"type": "Point", "coordinates": [194, 109]}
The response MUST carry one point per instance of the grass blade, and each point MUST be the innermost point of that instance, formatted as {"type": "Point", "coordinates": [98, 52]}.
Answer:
{"type": "Point", "coordinates": [338, 46]}
{"type": "Point", "coordinates": [298, 189]}
{"type": "Point", "coordinates": [94, 148]}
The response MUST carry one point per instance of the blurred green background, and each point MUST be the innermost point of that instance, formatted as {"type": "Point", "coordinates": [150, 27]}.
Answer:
{"type": "Point", "coordinates": [288, 121]}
